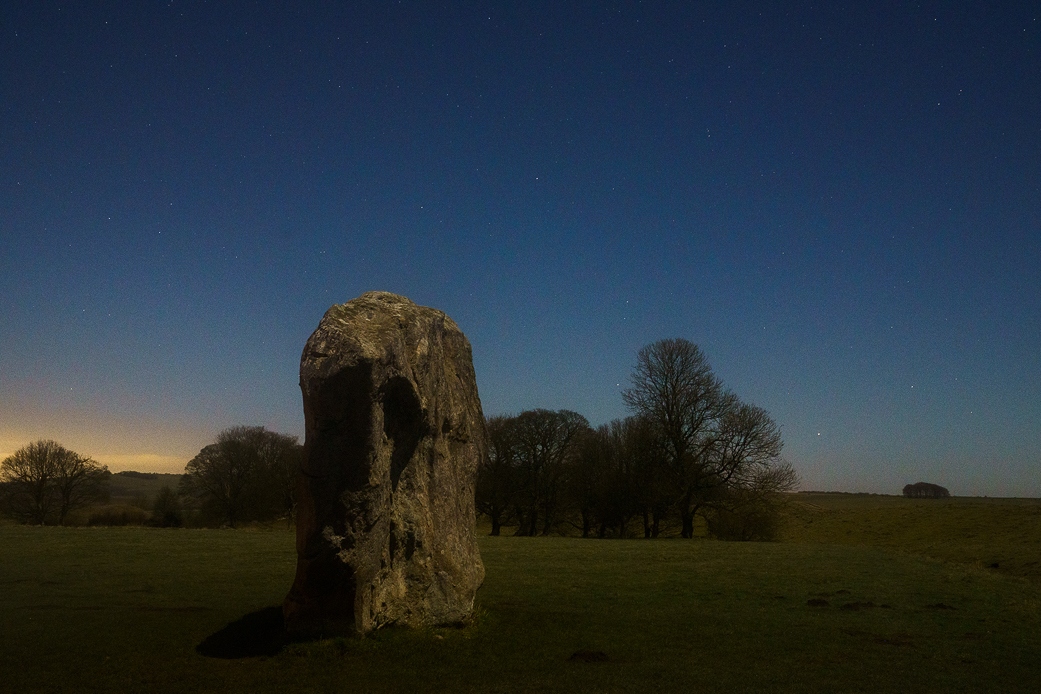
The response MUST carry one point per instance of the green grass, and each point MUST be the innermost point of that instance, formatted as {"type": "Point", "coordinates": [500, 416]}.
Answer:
{"type": "Point", "coordinates": [978, 531]}
{"type": "Point", "coordinates": [123, 609]}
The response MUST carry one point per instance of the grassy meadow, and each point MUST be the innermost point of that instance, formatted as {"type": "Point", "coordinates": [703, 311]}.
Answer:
{"type": "Point", "coordinates": [835, 607]}
{"type": "Point", "coordinates": [999, 534]}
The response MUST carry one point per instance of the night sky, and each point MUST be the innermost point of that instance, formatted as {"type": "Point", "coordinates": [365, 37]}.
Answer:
{"type": "Point", "coordinates": [839, 202]}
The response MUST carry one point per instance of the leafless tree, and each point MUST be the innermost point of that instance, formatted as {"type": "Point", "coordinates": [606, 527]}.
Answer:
{"type": "Point", "coordinates": [674, 388]}
{"type": "Point", "coordinates": [748, 445]}
{"type": "Point", "coordinates": [247, 474]}
{"type": "Point", "coordinates": [497, 476]}
{"type": "Point", "coordinates": [592, 479]}
{"type": "Point", "coordinates": [546, 443]}
{"type": "Point", "coordinates": [44, 481]}
{"type": "Point", "coordinates": [716, 449]}
{"type": "Point", "coordinates": [530, 456]}
{"type": "Point", "coordinates": [79, 481]}
{"type": "Point", "coordinates": [615, 477]}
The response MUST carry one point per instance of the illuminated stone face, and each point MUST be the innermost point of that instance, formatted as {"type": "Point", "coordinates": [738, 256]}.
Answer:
{"type": "Point", "coordinates": [385, 496]}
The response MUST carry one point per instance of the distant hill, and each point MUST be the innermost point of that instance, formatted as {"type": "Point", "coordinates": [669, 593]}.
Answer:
{"type": "Point", "coordinates": [139, 488]}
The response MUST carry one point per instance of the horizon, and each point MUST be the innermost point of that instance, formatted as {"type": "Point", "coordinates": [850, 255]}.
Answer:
{"type": "Point", "coordinates": [170, 468]}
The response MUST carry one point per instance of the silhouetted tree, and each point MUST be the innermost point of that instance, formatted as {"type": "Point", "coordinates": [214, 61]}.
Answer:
{"type": "Point", "coordinates": [497, 476]}
{"type": "Point", "coordinates": [656, 481]}
{"type": "Point", "coordinates": [80, 482]}
{"type": "Point", "coordinates": [245, 475]}
{"type": "Point", "coordinates": [719, 452]}
{"type": "Point", "coordinates": [279, 457]}
{"type": "Point", "coordinates": [590, 477]}
{"type": "Point", "coordinates": [674, 388]}
{"type": "Point", "coordinates": [527, 472]}
{"type": "Point", "coordinates": [44, 481]}
{"type": "Point", "coordinates": [610, 480]}
{"type": "Point", "coordinates": [166, 509]}
{"type": "Point", "coordinates": [544, 445]}
{"type": "Point", "coordinates": [750, 474]}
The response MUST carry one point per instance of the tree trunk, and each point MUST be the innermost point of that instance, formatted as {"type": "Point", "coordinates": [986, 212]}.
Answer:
{"type": "Point", "coordinates": [533, 522]}
{"type": "Point", "coordinates": [688, 524]}
{"type": "Point", "coordinates": [687, 511]}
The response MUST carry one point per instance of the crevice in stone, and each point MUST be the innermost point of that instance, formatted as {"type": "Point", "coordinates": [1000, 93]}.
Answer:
{"type": "Point", "coordinates": [403, 424]}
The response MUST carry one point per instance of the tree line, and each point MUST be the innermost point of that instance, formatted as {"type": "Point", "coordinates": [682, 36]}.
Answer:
{"type": "Point", "coordinates": [690, 448]}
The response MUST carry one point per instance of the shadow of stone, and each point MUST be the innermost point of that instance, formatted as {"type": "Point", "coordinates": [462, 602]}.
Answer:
{"type": "Point", "coordinates": [260, 633]}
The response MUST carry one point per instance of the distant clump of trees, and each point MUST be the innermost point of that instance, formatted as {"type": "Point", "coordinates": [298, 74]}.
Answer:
{"type": "Point", "coordinates": [133, 474]}
{"type": "Point", "coordinates": [248, 474]}
{"type": "Point", "coordinates": [924, 490]}
{"type": "Point", "coordinates": [43, 482]}
{"type": "Point", "coordinates": [691, 448]}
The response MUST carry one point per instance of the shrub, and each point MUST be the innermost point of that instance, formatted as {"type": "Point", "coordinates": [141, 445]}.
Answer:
{"type": "Point", "coordinates": [166, 511]}
{"type": "Point", "coordinates": [118, 514]}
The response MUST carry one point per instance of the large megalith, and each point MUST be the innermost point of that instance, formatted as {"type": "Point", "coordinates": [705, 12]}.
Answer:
{"type": "Point", "coordinates": [385, 495]}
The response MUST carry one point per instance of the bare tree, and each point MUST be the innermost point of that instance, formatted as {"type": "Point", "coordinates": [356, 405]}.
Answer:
{"type": "Point", "coordinates": [547, 442]}
{"type": "Point", "coordinates": [674, 388]}
{"type": "Point", "coordinates": [720, 453]}
{"type": "Point", "coordinates": [245, 475]}
{"type": "Point", "coordinates": [531, 454]}
{"type": "Point", "coordinates": [44, 481]}
{"type": "Point", "coordinates": [745, 456]}
{"type": "Point", "coordinates": [278, 464]}
{"type": "Point", "coordinates": [79, 481]}
{"type": "Point", "coordinates": [28, 478]}
{"type": "Point", "coordinates": [497, 477]}
{"type": "Point", "coordinates": [613, 476]}
{"type": "Point", "coordinates": [655, 480]}
{"type": "Point", "coordinates": [590, 481]}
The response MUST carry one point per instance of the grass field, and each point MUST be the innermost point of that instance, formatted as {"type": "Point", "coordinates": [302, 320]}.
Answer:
{"type": "Point", "coordinates": [141, 609]}
{"type": "Point", "coordinates": [1000, 534]}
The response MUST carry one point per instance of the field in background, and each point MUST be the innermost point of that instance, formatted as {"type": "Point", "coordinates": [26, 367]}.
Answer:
{"type": "Point", "coordinates": [139, 488]}
{"type": "Point", "coordinates": [1002, 535]}
{"type": "Point", "coordinates": [147, 609]}
{"type": "Point", "coordinates": [131, 497]}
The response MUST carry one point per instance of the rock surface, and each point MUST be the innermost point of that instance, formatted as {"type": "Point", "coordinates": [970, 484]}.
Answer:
{"type": "Point", "coordinates": [385, 495]}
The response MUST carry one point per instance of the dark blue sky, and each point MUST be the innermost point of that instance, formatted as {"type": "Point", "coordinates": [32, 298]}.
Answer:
{"type": "Point", "coordinates": [839, 202]}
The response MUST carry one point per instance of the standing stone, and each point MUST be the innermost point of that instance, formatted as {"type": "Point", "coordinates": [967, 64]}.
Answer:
{"type": "Point", "coordinates": [385, 495]}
